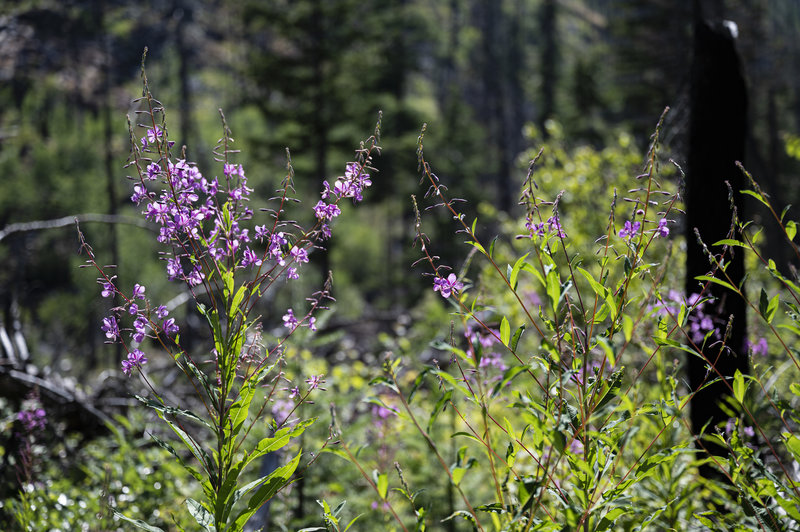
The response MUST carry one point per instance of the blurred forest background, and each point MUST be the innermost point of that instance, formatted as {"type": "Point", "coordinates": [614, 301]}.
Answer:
{"type": "Point", "coordinates": [493, 79]}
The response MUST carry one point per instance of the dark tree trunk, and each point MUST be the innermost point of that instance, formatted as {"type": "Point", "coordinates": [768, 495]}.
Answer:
{"type": "Point", "coordinates": [716, 141]}
{"type": "Point", "coordinates": [547, 29]}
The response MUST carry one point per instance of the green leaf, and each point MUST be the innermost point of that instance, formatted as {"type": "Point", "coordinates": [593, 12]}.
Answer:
{"type": "Point", "coordinates": [201, 515]}
{"type": "Point", "coordinates": [793, 444]}
{"type": "Point", "coordinates": [610, 518]}
{"type": "Point", "coordinates": [553, 288]}
{"type": "Point", "coordinates": [603, 292]}
{"type": "Point", "coordinates": [731, 242]}
{"type": "Point", "coordinates": [772, 308]}
{"type": "Point", "coordinates": [190, 443]}
{"type": "Point", "coordinates": [716, 281]}
{"type": "Point", "coordinates": [494, 508]}
{"type": "Point", "coordinates": [227, 283]}
{"type": "Point", "coordinates": [763, 305]}
{"type": "Point", "coordinates": [512, 278]}
{"type": "Point", "coordinates": [137, 522]}
{"type": "Point", "coordinates": [171, 410]}
{"type": "Point", "coordinates": [611, 389]}
{"type": "Point", "coordinates": [237, 300]}
{"type": "Point", "coordinates": [739, 386]}
{"type": "Point", "coordinates": [505, 331]}
{"type": "Point", "coordinates": [272, 483]}
{"type": "Point", "coordinates": [791, 229]}
{"type": "Point", "coordinates": [383, 485]}
{"type": "Point", "coordinates": [795, 388]}
{"type": "Point", "coordinates": [516, 337]}
{"type": "Point", "coordinates": [756, 196]}
{"type": "Point", "coordinates": [439, 407]}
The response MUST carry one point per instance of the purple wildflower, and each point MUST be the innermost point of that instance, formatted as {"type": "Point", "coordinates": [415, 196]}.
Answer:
{"type": "Point", "coordinates": [261, 232]}
{"type": "Point", "coordinates": [541, 229]}
{"type": "Point", "coordinates": [314, 381]}
{"type": "Point", "coordinates": [249, 258]}
{"type": "Point", "coordinates": [136, 359]}
{"type": "Point", "coordinates": [33, 419]}
{"type": "Point", "coordinates": [138, 291]}
{"type": "Point", "coordinates": [170, 327]}
{"type": "Point", "coordinates": [299, 254]}
{"type": "Point", "coordinates": [324, 211]}
{"type": "Point", "coordinates": [174, 270]}
{"type": "Point", "coordinates": [162, 312]}
{"type": "Point", "coordinates": [196, 276]}
{"type": "Point", "coordinates": [289, 320]}
{"type": "Point", "coordinates": [108, 290]}
{"type": "Point", "coordinates": [153, 169]}
{"type": "Point", "coordinates": [630, 229]}
{"type": "Point", "coordinates": [139, 193]}
{"type": "Point", "coordinates": [276, 241]}
{"type": "Point", "coordinates": [447, 286]}
{"type": "Point", "coordinates": [291, 273]}
{"type": "Point", "coordinates": [140, 325]}
{"type": "Point", "coordinates": [662, 230]}
{"type": "Point", "coordinates": [110, 327]}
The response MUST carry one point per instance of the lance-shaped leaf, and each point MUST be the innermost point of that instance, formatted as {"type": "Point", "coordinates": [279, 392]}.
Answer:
{"type": "Point", "coordinates": [270, 485]}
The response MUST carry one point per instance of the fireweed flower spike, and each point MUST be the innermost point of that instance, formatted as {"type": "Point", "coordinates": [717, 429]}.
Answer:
{"type": "Point", "coordinates": [215, 251]}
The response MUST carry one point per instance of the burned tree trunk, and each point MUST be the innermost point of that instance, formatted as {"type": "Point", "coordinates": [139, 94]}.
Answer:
{"type": "Point", "coordinates": [716, 142]}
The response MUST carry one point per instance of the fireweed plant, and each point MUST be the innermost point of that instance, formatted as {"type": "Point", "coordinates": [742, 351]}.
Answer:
{"type": "Point", "coordinates": [228, 263]}
{"type": "Point", "coordinates": [564, 386]}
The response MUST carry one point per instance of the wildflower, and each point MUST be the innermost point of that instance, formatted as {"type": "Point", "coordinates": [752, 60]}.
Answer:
{"type": "Point", "coordinates": [662, 230]}
{"type": "Point", "coordinates": [325, 231]}
{"type": "Point", "coordinates": [312, 323]}
{"type": "Point", "coordinates": [249, 258]}
{"type": "Point", "coordinates": [136, 359]}
{"type": "Point", "coordinates": [291, 273]}
{"type": "Point", "coordinates": [33, 420]}
{"type": "Point", "coordinates": [108, 290]}
{"type": "Point", "coordinates": [162, 312]}
{"type": "Point", "coordinates": [289, 320]}
{"type": "Point", "coordinates": [138, 291]}
{"type": "Point", "coordinates": [139, 193]}
{"type": "Point", "coordinates": [314, 381]}
{"type": "Point", "coordinates": [630, 229]}
{"type": "Point", "coordinates": [170, 327]}
{"type": "Point", "coordinates": [299, 254]}
{"type": "Point", "coordinates": [276, 241]}
{"type": "Point", "coordinates": [541, 229]}
{"type": "Point", "coordinates": [151, 136]}
{"type": "Point", "coordinates": [261, 232]}
{"type": "Point", "coordinates": [140, 325]}
{"type": "Point", "coordinates": [174, 270]}
{"type": "Point", "coordinates": [196, 276]}
{"type": "Point", "coordinates": [324, 211]}
{"type": "Point", "coordinates": [153, 169]}
{"type": "Point", "coordinates": [110, 327]}
{"type": "Point", "coordinates": [447, 286]}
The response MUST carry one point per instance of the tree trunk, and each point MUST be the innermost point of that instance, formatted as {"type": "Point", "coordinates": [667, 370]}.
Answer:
{"type": "Point", "coordinates": [716, 141]}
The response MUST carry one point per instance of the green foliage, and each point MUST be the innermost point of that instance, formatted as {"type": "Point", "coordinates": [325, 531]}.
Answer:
{"type": "Point", "coordinates": [79, 485]}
